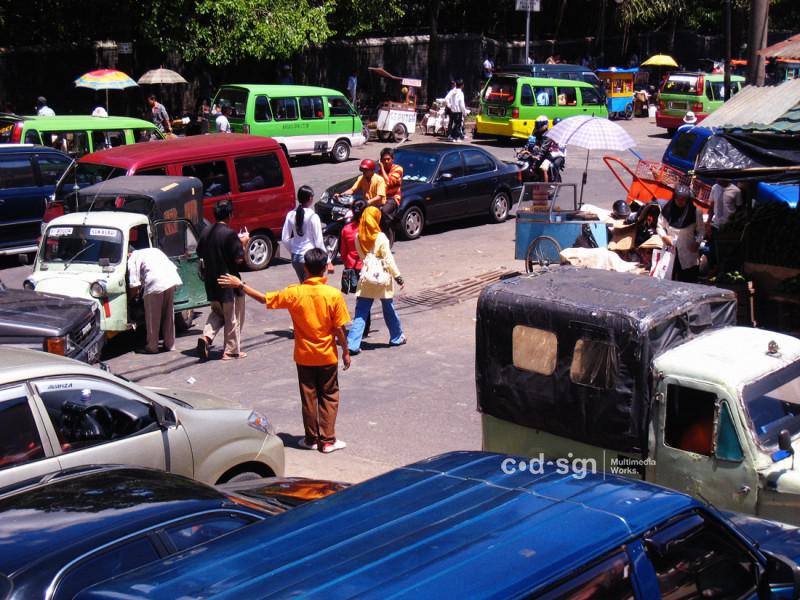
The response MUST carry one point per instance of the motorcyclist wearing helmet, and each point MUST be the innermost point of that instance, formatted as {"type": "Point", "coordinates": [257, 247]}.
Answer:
{"type": "Point", "coordinates": [539, 147]}
{"type": "Point", "coordinates": [371, 185]}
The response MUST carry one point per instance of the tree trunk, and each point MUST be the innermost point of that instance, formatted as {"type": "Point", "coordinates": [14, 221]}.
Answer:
{"type": "Point", "coordinates": [433, 52]}
{"type": "Point", "coordinates": [560, 19]}
{"type": "Point", "coordinates": [756, 40]}
{"type": "Point", "coordinates": [673, 29]}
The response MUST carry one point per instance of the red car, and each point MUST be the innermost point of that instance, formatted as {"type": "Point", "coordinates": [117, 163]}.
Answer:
{"type": "Point", "coordinates": [250, 171]}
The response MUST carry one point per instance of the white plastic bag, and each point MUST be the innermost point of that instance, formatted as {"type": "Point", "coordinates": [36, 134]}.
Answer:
{"type": "Point", "coordinates": [663, 263]}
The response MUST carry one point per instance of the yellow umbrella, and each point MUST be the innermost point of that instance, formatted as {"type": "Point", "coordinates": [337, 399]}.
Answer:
{"type": "Point", "coordinates": [660, 60]}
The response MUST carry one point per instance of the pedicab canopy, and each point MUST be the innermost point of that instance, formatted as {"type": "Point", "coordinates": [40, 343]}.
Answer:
{"type": "Point", "coordinates": [160, 197]}
{"type": "Point", "coordinates": [569, 351]}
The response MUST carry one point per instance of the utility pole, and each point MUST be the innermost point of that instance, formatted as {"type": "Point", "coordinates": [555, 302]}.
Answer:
{"type": "Point", "coordinates": [528, 6]}
{"type": "Point", "coordinates": [756, 40]}
{"type": "Point", "coordinates": [727, 67]}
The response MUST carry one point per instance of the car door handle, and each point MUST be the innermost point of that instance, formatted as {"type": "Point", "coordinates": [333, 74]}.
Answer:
{"type": "Point", "coordinates": [333, 122]}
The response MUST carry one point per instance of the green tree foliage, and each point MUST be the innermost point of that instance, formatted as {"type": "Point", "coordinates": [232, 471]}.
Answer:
{"type": "Point", "coordinates": [226, 31]}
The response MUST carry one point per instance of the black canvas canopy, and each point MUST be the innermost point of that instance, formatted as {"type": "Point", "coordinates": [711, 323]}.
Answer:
{"type": "Point", "coordinates": [160, 197]}
{"type": "Point", "coordinates": [591, 337]}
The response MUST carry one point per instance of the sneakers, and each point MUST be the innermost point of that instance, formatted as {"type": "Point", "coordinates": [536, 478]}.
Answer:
{"type": "Point", "coordinates": [337, 445]}
{"type": "Point", "coordinates": [403, 341]}
{"type": "Point", "coordinates": [202, 348]}
{"type": "Point", "coordinates": [302, 443]}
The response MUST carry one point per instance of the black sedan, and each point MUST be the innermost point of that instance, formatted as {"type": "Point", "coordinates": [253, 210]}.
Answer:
{"type": "Point", "coordinates": [443, 182]}
{"type": "Point", "coordinates": [72, 529]}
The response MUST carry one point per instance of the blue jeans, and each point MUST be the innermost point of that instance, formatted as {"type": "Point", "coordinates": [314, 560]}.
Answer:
{"type": "Point", "coordinates": [363, 306]}
{"type": "Point", "coordinates": [299, 264]}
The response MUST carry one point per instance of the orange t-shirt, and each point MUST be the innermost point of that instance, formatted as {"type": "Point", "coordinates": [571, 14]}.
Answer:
{"type": "Point", "coordinates": [371, 189]}
{"type": "Point", "coordinates": [317, 310]}
{"type": "Point", "coordinates": [394, 181]}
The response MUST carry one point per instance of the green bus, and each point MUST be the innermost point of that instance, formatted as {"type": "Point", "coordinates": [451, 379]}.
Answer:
{"type": "Point", "coordinates": [302, 119]}
{"type": "Point", "coordinates": [76, 135]}
{"type": "Point", "coordinates": [511, 103]}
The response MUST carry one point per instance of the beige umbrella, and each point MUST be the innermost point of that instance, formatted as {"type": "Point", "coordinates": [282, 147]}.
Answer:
{"type": "Point", "coordinates": [159, 76]}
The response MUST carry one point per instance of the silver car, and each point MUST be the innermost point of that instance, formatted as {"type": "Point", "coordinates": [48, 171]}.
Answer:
{"type": "Point", "coordinates": [57, 413]}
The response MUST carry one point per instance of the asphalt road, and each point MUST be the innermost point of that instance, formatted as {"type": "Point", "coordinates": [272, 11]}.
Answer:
{"type": "Point", "coordinates": [398, 405]}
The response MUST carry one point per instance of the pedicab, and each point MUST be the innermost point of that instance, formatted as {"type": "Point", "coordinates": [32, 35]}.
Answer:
{"type": "Point", "coordinates": [545, 227]}
{"type": "Point", "coordinates": [619, 91]}
{"type": "Point", "coordinates": [396, 120]}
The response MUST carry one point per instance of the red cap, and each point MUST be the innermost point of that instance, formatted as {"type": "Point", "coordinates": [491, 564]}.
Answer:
{"type": "Point", "coordinates": [367, 165]}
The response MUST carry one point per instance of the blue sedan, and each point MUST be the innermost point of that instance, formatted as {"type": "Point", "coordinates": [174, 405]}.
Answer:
{"type": "Point", "coordinates": [444, 182]}
{"type": "Point", "coordinates": [482, 525]}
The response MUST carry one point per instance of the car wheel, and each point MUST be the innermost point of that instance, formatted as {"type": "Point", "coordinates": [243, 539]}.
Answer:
{"type": "Point", "coordinates": [499, 208]}
{"type": "Point", "coordinates": [629, 111]}
{"type": "Point", "coordinates": [245, 476]}
{"type": "Point", "coordinates": [399, 133]}
{"type": "Point", "coordinates": [412, 222]}
{"type": "Point", "coordinates": [184, 320]}
{"type": "Point", "coordinates": [332, 246]}
{"type": "Point", "coordinates": [259, 252]}
{"type": "Point", "coordinates": [340, 151]}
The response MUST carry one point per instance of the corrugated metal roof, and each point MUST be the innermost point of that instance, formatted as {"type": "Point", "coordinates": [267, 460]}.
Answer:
{"type": "Point", "coordinates": [768, 108]}
{"type": "Point", "coordinates": [788, 48]}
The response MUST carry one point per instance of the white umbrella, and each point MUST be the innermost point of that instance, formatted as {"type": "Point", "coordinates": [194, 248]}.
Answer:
{"type": "Point", "coordinates": [159, 76]}
{"type": "Point", "coordinates": [592, 133]}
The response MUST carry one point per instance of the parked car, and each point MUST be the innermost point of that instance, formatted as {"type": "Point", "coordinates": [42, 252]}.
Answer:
{"type": "Point", "coordinates": [685, 146]}
{"type": "Point", "coordinates": [700, 93]}
{"type": "Point", "coordinates": [57, 413]}
{"type": "Point", "coordinates": [481, 525]}
{"type": "Point", "coordinates": [76, 135]}
{"type": "Point", "coordinates": [28, 176]}
{"type": "Point", "coordinates": [71, 529]}
{"type": "Point", "coordinates": [250, 171]}
{"type": "Point", "coordinates": [557, 71]}
{"type": "Point", "coordinates": [510, 104]}
{"type": "Point", "coordinates": [51, 323]}
{"type": "Point", "coordinates": [302, 119]}
{"type": "Point", "coordinates": [442, 182]}
{"type": "Point", "coordinates": [84, 254]}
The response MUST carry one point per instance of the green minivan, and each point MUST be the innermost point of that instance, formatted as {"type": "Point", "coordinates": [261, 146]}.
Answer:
{"type": "Point", "coordinates": [76, 135]}
{"type": "Point", "coordinates": [511, 103]}
{"type": "Point", "coordinates": [302, 119]}
{"type": "Point", "coordinates": [699, 93]}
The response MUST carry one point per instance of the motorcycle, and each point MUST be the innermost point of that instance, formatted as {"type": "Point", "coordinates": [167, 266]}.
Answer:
{"type": "Point", "coordinates": [337, 212]}
{"type": "Point", "coordinates": [530, 158]}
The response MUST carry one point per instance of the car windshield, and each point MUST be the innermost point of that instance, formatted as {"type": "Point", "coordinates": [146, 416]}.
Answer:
{"type": "Point", "coordinates": [83, 174]}
{"type": "Point", "coordinates": [82, 244]}
{"type": "Point", "coordinates": [773, 404]}
{"type": "Point", "coordinates": [500, 90]}
{"type": "Point", "coordinates": [417, 166]}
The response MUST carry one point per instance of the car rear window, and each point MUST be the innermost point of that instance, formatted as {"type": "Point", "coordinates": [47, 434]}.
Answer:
{"type": "Point", "coordinates": [681, 84]}
{"type": "Point", "coordinates": [683, 145]}
{"type": "Point", "coordinates": [236, 99]}
{"type": "Point", "coordinates": [500, 90]}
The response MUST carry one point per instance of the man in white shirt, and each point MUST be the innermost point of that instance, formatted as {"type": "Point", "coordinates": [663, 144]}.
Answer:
{"type": "Point", "coordinates": [726, 199]}
{"type": "Point", "coordinates": [223, 125]}
{"type": "Point", "coordinates": [458, 109]}
{"type": "Point", "coordinates": [42, 109]}
{"type": "Point", "coordinates": [152, 270]}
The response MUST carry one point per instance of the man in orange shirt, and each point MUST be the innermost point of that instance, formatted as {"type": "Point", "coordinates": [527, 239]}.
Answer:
{"type": "Point", "coordinates": [319, 314]}
{"type": "Point", "coordinates": [393, 176]}
{"type": "Point", "coordinates": [372, 186]}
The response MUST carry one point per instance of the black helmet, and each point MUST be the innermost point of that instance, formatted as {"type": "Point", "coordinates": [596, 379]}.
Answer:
{"type": "Point", "coordinates": [620, 209]}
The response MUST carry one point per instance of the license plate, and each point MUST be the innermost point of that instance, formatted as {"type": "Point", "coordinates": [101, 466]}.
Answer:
{"type": "Point", "coordinates": [678, 105]}
{"type": "Point", "coordinates": [339, 211]}
{"type": "Point", "coordinates": [496, 111]}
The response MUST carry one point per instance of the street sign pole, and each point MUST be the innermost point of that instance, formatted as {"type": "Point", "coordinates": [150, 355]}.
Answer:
{"type": "Point", "coordinates": [528, 6]}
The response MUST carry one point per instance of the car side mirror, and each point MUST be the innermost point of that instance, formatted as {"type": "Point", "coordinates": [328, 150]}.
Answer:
{"type": "Point", "coordinates": [781, 579]}
{"type": "Point", "coordinates": [164, 416]}
{"type": "Point", "coordinates": [445, 177]}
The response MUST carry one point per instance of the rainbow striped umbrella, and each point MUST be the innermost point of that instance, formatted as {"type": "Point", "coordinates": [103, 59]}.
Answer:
{"type": "Point", "coordinates": [105, 79]}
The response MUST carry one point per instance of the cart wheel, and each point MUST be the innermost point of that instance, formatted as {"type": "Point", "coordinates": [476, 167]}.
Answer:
{"type": "Point", "coordinates": [399, 132]}
{"type": "Point", "coordinates": [542, 252]}
{"type": "Point", "coordinates": [629, 111]}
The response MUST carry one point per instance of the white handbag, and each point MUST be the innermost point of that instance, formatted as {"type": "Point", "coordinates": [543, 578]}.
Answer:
{"type": "Point", "coordinates": [374, 271]}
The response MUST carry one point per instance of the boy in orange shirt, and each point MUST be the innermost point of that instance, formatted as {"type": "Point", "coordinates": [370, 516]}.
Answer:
{"type": "Point", "coordinates": [319, 314]}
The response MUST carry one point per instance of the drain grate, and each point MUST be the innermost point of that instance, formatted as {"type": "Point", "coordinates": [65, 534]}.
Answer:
{"type": "Point", "coordinates": [450, 293]}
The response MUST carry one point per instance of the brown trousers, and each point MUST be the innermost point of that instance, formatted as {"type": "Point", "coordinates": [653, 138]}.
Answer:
{"type": "Point", "coordinates": [159, 318]}
{"type": "Point", "coordinates": [319, 393]}
{"type": "Point", "coordinates": [228, 316]}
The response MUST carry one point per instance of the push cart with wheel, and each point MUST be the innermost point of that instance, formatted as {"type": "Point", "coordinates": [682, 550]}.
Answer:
{"type": "Point", "coordinates": [619, 91]}
{"type": "Point", "coordinates": [546, 223]}
{"type": "Point", "coordinates": [397, 118]}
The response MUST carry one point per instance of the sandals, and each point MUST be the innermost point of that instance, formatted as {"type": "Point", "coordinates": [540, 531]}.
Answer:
{"type": "Point", "coordinates": [226, 356]}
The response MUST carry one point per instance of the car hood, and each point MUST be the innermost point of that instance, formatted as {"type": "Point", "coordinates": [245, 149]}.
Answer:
{"type": "Point", "coordinates": [23, 312]}
{"type": "Point", "coordinates": [195, 399]}
{"type": "Point", "coordinates": [69, 283]}
{"type": "Point", "coordinates": [771, 536]}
